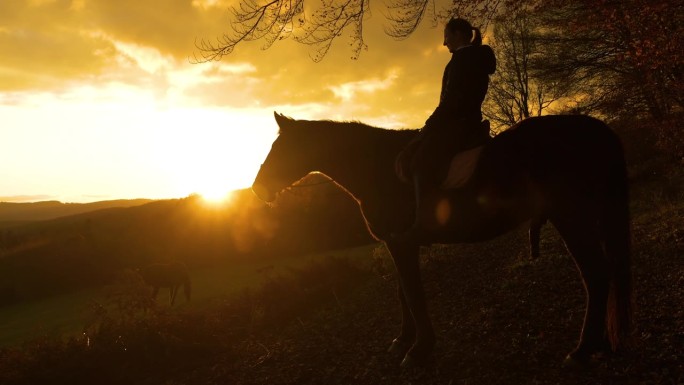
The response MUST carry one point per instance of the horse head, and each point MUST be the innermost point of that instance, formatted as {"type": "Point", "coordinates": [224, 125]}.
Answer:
{"type": "Point", "coordinates": [285, 163]}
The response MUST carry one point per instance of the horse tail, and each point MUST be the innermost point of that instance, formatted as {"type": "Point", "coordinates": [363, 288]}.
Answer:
{"type": "Point", "coordinates": [617, 234]}
{"type": "Point", "coordinates": [187, 287]}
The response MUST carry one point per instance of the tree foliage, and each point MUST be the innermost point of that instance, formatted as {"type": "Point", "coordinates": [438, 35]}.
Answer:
{"type": "Point", "coordinates": [623, 57]}
{"type": "Point", "coordinates": [515, 93]}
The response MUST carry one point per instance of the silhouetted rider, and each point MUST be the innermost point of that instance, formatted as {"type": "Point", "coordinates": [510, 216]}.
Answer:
{"type": "Point", "coordinates": [456, 124]}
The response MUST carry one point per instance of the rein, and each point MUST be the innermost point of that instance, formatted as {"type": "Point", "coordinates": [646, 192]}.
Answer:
{"type": "Point", "coordinates": [292, 189]}
{"type": "Point", "coordinates": [309, 184]}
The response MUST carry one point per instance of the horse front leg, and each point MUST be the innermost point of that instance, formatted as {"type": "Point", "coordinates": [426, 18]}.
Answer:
{"type": "Point", "coordinates": [407, 335]}
{"type": "Point", "coordinates": [415, 320]}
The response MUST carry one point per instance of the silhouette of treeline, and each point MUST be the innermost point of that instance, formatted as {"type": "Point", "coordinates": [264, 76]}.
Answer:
{"type": "Point", "coordinates": [87, 250]}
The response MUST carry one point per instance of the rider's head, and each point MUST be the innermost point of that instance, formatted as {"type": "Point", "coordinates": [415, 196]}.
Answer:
{"type": "Point", "coordinates": [458, 33]}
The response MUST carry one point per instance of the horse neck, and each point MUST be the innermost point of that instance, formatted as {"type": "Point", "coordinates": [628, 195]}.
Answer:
{"type": "Point", "coordinates": [359, 160]}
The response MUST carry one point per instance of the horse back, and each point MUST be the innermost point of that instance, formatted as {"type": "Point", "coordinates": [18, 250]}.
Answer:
{"type": "Point", "coordinates": [556, 147]}
{"type": "Point", "coordinates": [550, 165]}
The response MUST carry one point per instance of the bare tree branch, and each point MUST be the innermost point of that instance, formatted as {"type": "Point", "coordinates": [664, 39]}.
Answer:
{"type": "Point", "coordinates": [252, 21]}
{"type": "Point", "coordinates": [515, 92]}
{"type": "Point", "coordinates": [330, 22]}
{"type": "Point", "coordinates": [405, 16]}
{"type": "Point", "coordinates": [272, 20]}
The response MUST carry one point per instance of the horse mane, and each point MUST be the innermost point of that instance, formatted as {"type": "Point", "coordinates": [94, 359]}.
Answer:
{"type": "Point", "coordinates": [350, 129]}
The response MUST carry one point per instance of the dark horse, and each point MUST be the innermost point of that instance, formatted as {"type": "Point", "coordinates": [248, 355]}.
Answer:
{"type": "Point", "coordinates": [569, 169]}
{"type": "Point", "coordinates": [167, 275]}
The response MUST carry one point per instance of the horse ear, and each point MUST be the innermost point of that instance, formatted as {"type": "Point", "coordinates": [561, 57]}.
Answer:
{"type": "Point", "coordinates": [281, 119]}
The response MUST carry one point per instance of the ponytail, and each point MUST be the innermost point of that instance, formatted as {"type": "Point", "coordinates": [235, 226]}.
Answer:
{"type": "Point", "coordinates": [477, 39]}
{"type": "Point", "coordinates": [464, 27]}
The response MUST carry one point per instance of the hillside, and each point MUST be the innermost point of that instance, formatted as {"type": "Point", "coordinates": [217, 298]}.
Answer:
{"type": "Point", "coordinates": [47, 258]}
{"type": "Point", "coordinates": [40, 211]}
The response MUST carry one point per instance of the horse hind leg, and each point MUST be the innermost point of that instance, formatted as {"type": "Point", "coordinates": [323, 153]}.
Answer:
{"type": "Point", "coordinates": [583, 241]}
{"type": "Point", "coordinates": [407, 335]}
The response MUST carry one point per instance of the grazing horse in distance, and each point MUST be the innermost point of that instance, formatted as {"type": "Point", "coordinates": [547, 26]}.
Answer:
{"type": "Point", "coordinates": [167, 275]}
{"type": "Point", "coordinates": [569, 169]}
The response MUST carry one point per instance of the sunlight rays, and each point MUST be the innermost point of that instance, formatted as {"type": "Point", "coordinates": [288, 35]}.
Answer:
{"type": "Point", "coordinates": [126, 146]}
{"type": "Point", "coordinates": [203, 155]}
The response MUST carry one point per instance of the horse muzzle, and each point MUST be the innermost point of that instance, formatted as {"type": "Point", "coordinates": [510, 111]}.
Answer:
{"type": "Point", "coordinates": [263, 193]}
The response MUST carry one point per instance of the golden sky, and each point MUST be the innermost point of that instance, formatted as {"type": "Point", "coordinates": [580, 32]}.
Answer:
{"type": "Point", "coordinates": [99, 100]}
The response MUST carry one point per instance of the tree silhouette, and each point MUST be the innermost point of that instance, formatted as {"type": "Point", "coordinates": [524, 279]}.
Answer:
{"type": "Point", "coordinates": [274, 20]}
{"type": "Point", "coordinates": [623, 57]}
{"type": "Point", "coordinates": [515, 93]}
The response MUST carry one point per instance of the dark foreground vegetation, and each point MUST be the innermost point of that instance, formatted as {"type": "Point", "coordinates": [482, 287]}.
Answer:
{"type": "Point", "coordinates": [500, 317]}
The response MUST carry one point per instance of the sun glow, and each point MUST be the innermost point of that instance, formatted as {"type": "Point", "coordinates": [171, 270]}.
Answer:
{"type": "Point", "coordinates": [217, 198]}
{"type": "Point", "coordinates": [132, 149]}
{"type": "Point", "coordinates": [156, 130]}
{"type": "Point", "coordinates": [204, 156]}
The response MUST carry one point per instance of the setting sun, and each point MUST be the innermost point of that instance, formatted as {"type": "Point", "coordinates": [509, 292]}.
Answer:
{"type": "Point", "coordinates": [202, 156]}
{"type": "Point", "coordinates": [131, 148]}
{"type": "Point", "coordinates": [216, 198]}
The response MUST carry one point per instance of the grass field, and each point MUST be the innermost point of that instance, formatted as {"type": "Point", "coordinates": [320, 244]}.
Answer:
{"type": "Point", "coordinates": [66, 315]}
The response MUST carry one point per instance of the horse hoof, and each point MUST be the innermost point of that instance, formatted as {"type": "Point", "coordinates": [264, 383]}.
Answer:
{"type": "Point", "coordinates": [398, 347]}
{"type": "Point", "coordinates": [408, 362]}
{"type": "Point", "coordinates": [411, 362]}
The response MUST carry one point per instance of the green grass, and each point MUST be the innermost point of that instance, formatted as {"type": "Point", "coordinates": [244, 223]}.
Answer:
{"type": "Point", "coordinates": [66, 315]}
{"type": "Point", "coordinates": [52, 317]}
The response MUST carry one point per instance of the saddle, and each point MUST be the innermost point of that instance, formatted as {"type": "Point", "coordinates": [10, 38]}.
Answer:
{"type": "Point", "coordinates": [462, 164]}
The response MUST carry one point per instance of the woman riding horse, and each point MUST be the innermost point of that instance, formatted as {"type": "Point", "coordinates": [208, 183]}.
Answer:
{"type": "Point", "coordinates": [569, 169]}
{"type": "Point", "coordinates": [455, 125]}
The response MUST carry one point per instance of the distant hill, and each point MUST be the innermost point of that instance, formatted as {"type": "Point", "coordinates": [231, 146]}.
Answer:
{"type": "Point", "coordinates": [42, 258]}
{"type": "Point", "coordinates": [40, 211]}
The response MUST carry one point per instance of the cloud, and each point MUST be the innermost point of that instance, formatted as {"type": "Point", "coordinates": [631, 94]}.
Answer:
{"type": "Point", "coordinates": [26, 198]}
{"type": "Point", "coordinates": [44, 45]}
{"type": "Point", "coordinates": [50, 44]}
{"type": "Point", "coordinates": [54, 45]}
{"type": "Point", "coordinates": [348, 91]}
